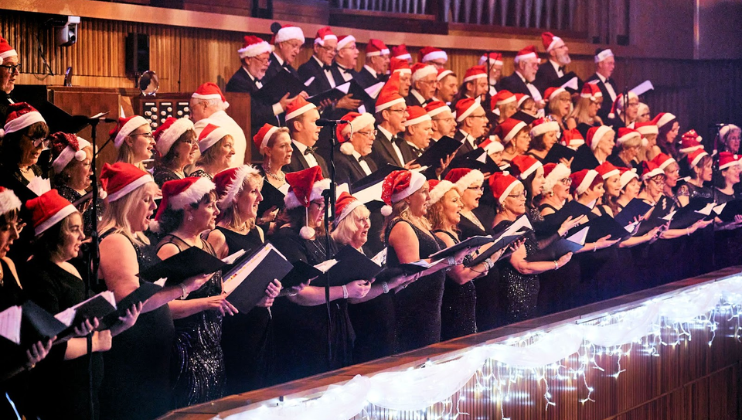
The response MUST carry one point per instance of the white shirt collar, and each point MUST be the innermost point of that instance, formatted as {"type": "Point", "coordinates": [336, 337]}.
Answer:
{"type": "Point", "coordinates": [555, 65]}
{"type": "Point", "coordinates": [370, 70]}
{"type": "Point", "coordinates": [321, 64]}
{"type": "Point", "coordinates": [521, 77]}
{"type": "Point", "coordinates": [279, 59]}
{"type": "Point", "coordinates": [249, 74]}
{"type": "Point", "coordinates": [386, 133]}
{"type": "Point", "coordinates": [301, 146]}
{"type": "Point", "coordinates": [600, 76]}
{"type": "Point", "coordinates": [417, 95]}
{"type": "Point", "coordinates": [356, 155]}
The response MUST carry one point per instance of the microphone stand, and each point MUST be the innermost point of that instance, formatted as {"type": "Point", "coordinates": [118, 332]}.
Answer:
{"type": "Point", "coordinates": [329, 196]}
{"type": "Point", "coordinates": [488, 96]}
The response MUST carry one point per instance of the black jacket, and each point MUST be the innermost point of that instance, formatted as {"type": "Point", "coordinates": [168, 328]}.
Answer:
{"type": "Point", "coordinates": [382, 152]}
{"type": "Point", "coordinates": [260, 111]}
{"type": "Point", "coordinates": [313, 69]}
{"type": "Point", "coordinates": [298, 162]}
{"type": "Point", "coordinates": [514, 84]}
{"type": "Point", "coordinates": [348, 170]}
{"type": "Point", "coordinates": [605, 108]}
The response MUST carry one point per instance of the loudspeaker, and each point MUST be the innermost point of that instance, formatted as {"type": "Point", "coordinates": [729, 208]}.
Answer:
{"type": "Point", "coordinates": [137, 54]}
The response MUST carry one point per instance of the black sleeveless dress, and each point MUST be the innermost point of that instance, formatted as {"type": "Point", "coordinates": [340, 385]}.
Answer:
{"type": "Point", "coordinates": [417, 308]}
{"type": "Point", "coordinates": [487, 289]}
{"type": "Point", "coordinates": [600, 270]}
{"type": "Point", "coordinates": [459, 308]}
{"type": "Point", "coordinates": [727, 243]}
{"type": "Point", "coordinates": [198, 361]}
{"type": "Point", "coordinates": [247, 338]}
{"type": "Point", "coordinates": [136, 384]}
{"type": "Point", "coordinates": [699, 255]}
{"type": "Point", "coordinates": [519, 292]}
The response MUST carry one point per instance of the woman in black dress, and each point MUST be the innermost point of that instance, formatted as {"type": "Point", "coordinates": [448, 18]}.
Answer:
{"type": "Point", "coordinates": [187, 209]}
{"type": "Point", "coordinates": [627, 149]}
{"type": "Point", "coordinates": [667, 131]}
{"type": "Point", "coordinates": [136, 384]}
{"type": "Point", "coordinates": [585, 113]}
{"type": "Point", "coordinates": [544, 135]}
{"type": "Point", "coordinates": [217, 149]}
{"type": "Point", "coordinates": [727, 237]}
{"type": "Point", "coordinates": [301, 320]}
{"type": "Point", "coordinates": [177, 149]}
{"type": "Point", "coordinates": [701, 166]}
{"type": "Point", "coordinates": [55, 285]}
{"type": "Point", "coordinates": [134, 141]}
{"type": "Point", "coordinates": [247, 338]}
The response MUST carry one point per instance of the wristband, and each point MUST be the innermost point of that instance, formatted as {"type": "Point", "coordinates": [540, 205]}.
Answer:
{"type": "Point", "coordinates": [595, 247]}
{"type": "Point", "coordinates": [385, 287]}
{"type": "Point", "coordinates": [345, 292]}
{"type": "Point", "coordinates": [556, 265]}
{"type": "Point", "coordinates": [451, 261]}
{"type": "Point", "coordinates": [183, 292]}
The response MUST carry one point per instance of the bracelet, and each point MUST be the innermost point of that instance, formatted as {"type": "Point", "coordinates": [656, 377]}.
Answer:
{"type": "Point", "coordinates": [183, 292]}
{"type": "Point", "coordinates": [595, 246]}
{"type": "Point", "coordinates": [345, 292]}
{"type": "Point", "coordinates": [451, 261]}
{"type": "Point", "coordinates": [687, 231]}
{"type": "Point", "coordinates": [556, 265]}
{"type": "Point", "coordinates": [385, 287]}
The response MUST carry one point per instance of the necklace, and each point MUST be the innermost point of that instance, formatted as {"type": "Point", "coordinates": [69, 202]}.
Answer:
{"type": "Point", "coordinates": [278, 175]}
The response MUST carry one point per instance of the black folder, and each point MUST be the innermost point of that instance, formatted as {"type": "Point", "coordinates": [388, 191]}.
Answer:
{"type": "Point", "coordinates": [566, 78]}
{"type": "Point", "coordinates": [272, 196]}
{"type": "Point", "coordinates": [351, 265]}
{"type": "Point", "coordinates": [301, 272]}
{"type": "Point", "coordinates": [98, 306]}
{"type": "Point", "coordinates": [191, 262]}
{"type": "Point", "coordinates": [245, 284]}
{"type": "Point", "coordinates": [572, 208]}
{"type": "Point", "coordinates": [502, 242]}
{"type": "Point", "coordinates": [688, 215]}
{"type": "Point", "coordinates": [145, 291]}
{"type": "Point", "coordinates": [557, 153]}
{"type": "Point", "coordinates": [476, 159]}
{"type": "Point", "coordinates": [732, 209]}
{"type": "Point", "coordinates": [555, 251]}
{"type": "Point", "coordinates": [636, 208]}
{"type": "Point", "coordinates": [601, 227]}
{"type": "Point", "coordinates": [279, 85]}
{"type": "Point", "coordinates": [439, 150]}
{"type": "Point", "coordinates": [390, 273]}
{"type": "Point", "coordinates": [348, 88]}
{"type": "Point", "coordinates": [525, 117]}
{"type": "Point", "coordinates": [473, 242]}
{"type": "Point", "coordinates": [29, 323]}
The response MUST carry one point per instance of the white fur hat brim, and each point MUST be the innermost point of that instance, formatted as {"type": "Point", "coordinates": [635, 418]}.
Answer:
{"type": "Point", "coordinates": [192, 195]}
{"type": "Point", "coordinates": [292, 201]}
{"type": "Point", "coordinates": [172, 134]}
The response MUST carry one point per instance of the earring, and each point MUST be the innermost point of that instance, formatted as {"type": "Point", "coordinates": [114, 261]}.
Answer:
{"type": "Point", "coordinates": [190, 218]}
{"type": "Point", "coordinates": [269, 165]}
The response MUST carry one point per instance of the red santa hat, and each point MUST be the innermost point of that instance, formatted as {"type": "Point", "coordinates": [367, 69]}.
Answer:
{"type": "Point", "coordinates": [120, 179]}
{"type": "Point", "coordinates": [690, 142]}
{"type": "Point", "coordinates": [287, 33]}
{"type": "Point", "coordinates": [495, 59]}
{"type": "Point", "coordinates": [209, 136]}
{"type": "Point", "coordinates": [542, 126]}
{"type": "Point", "coordinates": [431, 53]}
{"type": "Point", "coordinates": [375, 47]}
{"type": "Point", "coordinates": [298, 107]}
{"type": "Point", "coordinates": [465, 107]}
{"type": "Point", "coordinates": [596, 134]}
{"type": "Point", "coordinates": [501, 184]}
{"type": "Point", "coordinates": [438, 189]}
{"type": "Point", "coordinates": [436, 107]}
{"type": "Point", "coordinates": [646, 128]}
{"type": "Point", "coordinates": [490, 146]}
{"type": "Point", "coordinates": [324, 33]}
{"type": "Point", "coordinates": [344, 205]}
{"type": "Point", "coordinates": [463, 178]}
{"type": "Point", "coordinates": [19, 116]}
{"type": "Point", "coordinates": [264, 134]}
{"type": "Point", "coordinates": [475, 72]}
{"type": "Point", "coordinates": [502, 97]}
{"type": "Point", "coordinates": [553, 173]}
{"type": "Point", "coordinates": [601, 55]}
{"type": "Point", "coordinates": [230, 182]}
{"type": "Point", "coordinates": [626, 176]}
{"type": "Point", "coordinates": [524, 165]}
{"type": "Point", "coordinates": [66, 147]}
{"type": "Point", "coordinates": [389, 94]}
{"type": "Point", "coordinates": [8, 201]}
{"type": "Point", "coordinates": [208, 91]}
{"type": "Point", "coordinates": [304, 187]}
{"type": "Point", "coordinates": [356, 122]}
{"type": "Point", "coordinates": [663, 118]}
{"type": "Point", "coordinates": [650, 170]}
{"type": "Point", "coordinates": [551, 41]}
{"type": "Point", "coordinates": [663, 161]}
{"type": "Point", "coordinates": [344, 40]}
{"type": "Point", "coordinates": [583, 180]}
{"type": "Point", "coordinates": [397, 65]}
{"type": "Point", "coordinates": [727, 128]}
{"type": "Point", "coordinates": [572, 138]}
{"type": "Point", "coordinates": [399, 185]}
{"type": "Point", "coordinates": [694, 158]}
{"type": "Point", "coordinates": [400, 52]}
{"type": "Point", "coordinates": [508, 129]}
{"type": "Point", "coordinates": [253, 46]}
{"type": "Point", "coordinates": [169, 132]}
{"type": "Point", "coordinates": [6, 50]}
{"type": "Point", "coordinates": [626, 134]}
{"type": "Point", "coordinates": [607, 170]}
{"type": "Point", "coordinates": [553, 92]}
{"type": "Point", "coordinates": [47, 210]}
{"type": "Point", "coordinates": [442, 73]}
{"type": "Point", "coordinates": [728, 159]}
{"type": "Point", "coordinates": [619, 104]}
{"type": "Point", "coordinates": [520, 98]}
{"type": "Point", "coordinates": [421, 70]}
{"type": "Point", "coordinates": [416, 115]}
{"type": "Point", "coordinates": [180, 193]}
{"type": "Point", "coordinates": [527, 53]}
{"type": "Point", "coordinates": [592, 91]}
{"type": "Point", "coordinates": [125, 127]}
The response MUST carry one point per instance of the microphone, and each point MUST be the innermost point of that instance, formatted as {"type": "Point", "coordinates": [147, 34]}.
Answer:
{"type": "Point", "coordinates": [323, 122]}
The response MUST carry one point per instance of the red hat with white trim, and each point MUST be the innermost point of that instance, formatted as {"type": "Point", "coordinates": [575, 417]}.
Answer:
{"type": "Point", "coordinates": [344, 205]}
{"type": "Point", "coordinates": [345, 40]}
{"type": "Point", "coordinates": [591, 90]}
{"type": "Point", "coordinates": [120, 179]}
{"type": "Point", "coordinates": [551, 41]}
{"type": "Point", "coordinates": [490, 146]}
{"type": "Point", "coordinates": [495, 59]}
{"type": "Point", "coordinates": [397, 65]}
{"type": "Point", "coordinates": [524, 165]}
{"type": "Point", "coordinates": [690, 142]}
{"type": "Point", "coordinates": [209, 136]}
{"type": "Point", "coordinates": [6, 50]}
{"type": "Point", "coordinates": [438, 189]}
{"type": "Point", "coordinates": [464, 178]}
{"type": "Point", "coordinates": [298, 107]}
{"type": "Point", "coordinates": [210, 90]}
{"type": "Point", "coordinates": [66, 147]}
{"type": "Point", "coordinates": [305, 186]}
{"type": "Point", "coordinates": [324, 33]}
{"type": "Point", "coordinates": [542, 126]}
{"type": "Point", "coordinates": [8, 201]}
{"type": "Point", "coordinates": [169, 132]}
{"type": "Point", "coordinates": [520, 98]}
{"type": "Point", "coordinates": [47, 210]}
{"type": "Point", "coordinates": [650, 170]}
{"type": "Point", "coordinates": [502, 97]}
{"type": "Point", "coordinates": [508, 129]}
{"type": "Point", "coordinates": [475, 72]}
{"type": "Point", "coordinates": [376, 47]}
{"type": "Point", "coordinates": [287, 33]}
{"type": "Point", "coordinates": [431, 53]}
{"type": "Point", "coordinates": [527, 53]}
{"type": "Point", "coordinates": [596, 134]}
{"type": "Point", "coordinates": [416, 115]}
{"type": "Point", "coordinates": [180, 193]}
{"type": "Point", "coordinates": [501, 184]}
{"type": "Point", "coordinates": [626, 176]}
{"type": "Point", "coordinates": [399, 185]}
{"type": "Point", "coordinates": [553, 173]}
{"type": "Point", "coordinates": [626, 134]}
{"type": "Point", "coordinates": [553, 92]}
{"type": "Point", "coordinates": [264, 134]}
{"type": "Point", "coordinates": [400, 52]}
{"type": "Point", "coordinates": [572, 138]}
{"type": "Point", "coordinates": [356, 122]}
{"type": "Point", "coordinates": [607, 170]}
{"type": "Point", "coordinates": [253, 46]}
{"type": "Point", "coordinates": [19, 116]}
{"type": "Point", "coordinates": [727, 128]}
{"type": "Point", "coordinates": [583, 180]}
{"type": "Point", "coordinates": [442, 73]}
{"type": "Point", "coordinates": [602, 54]}
{"type": "Point", "coordinates": [465, 107]}
{"type": "Point", "coordinates": [663, 118]}
{"type": "Point", "coordinates": [618, 104]}
{"type": "Point", "coordinates": [125, 127]}
{"type": "Point", "coordinates": [728, 159]}
{"type": "Point", "coordinates": [646, 128]}
{"type": "Point", "coordinates": [663, 161]}
{"type": "Point", "coordinates": [389, 94]}
{"type": "Point", "coordinates": [436, 107]}
{"type": "Point", "coordinates": [694, 158]}
{"type": "Point", "coordinates": [230, 182]}
{"type": "Point", "coordinates": [420, 70]}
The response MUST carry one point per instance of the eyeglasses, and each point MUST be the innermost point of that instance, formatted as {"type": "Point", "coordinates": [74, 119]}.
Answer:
{"type": "Point", "coordinates": [328, 49]}
{"type": "Point", "coordinates": [368, 134]}
{"type": "Point", "coordinates": [478, 116]}
{"type": "Point", "coordinates": [444, 119]}
{"type": "Point", "coordinates": [190, 141]}
{"type": "Point", "coordinates": [480, 188]}
{"type": "Point", "coordinates": [41, 142]}
{"type": "Point", "coordinates": [148, 135]}
{"type": "Point", "coordinates": [397, 110]}
{"type": "Point", "coordinates": [566, 181]}
{"type": "Point", "coordinates": [18, 226]}
{"type": "Point", "coordinates": [521, 195]}
{"type": "Point", "coordinates": [12, 68]}
{"type": "Point", "coordinates": [261, 60]}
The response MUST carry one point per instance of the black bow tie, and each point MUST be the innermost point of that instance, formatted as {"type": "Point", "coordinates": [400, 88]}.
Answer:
{"type": "Point", "coordinates": [310, 151]}
{"type": "Point", "coordinates": [398, 141]}
{"type": "Point", "coordinates": [362, 159]}
{"type": "Point", "coordinates": [343, 69]}
{"type": "Point", "coordinates": [325, 67]}
{"type": "Point", "coordinates": [561, 68]}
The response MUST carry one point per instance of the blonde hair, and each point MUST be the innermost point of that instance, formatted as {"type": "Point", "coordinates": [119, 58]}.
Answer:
{"type": "Point", "coordinates": [209, 156]}
{"type": "Point", "coordinates": [348, 227]}
{"type": "Point", "coordinates": [126, 155]}
{"type": "Point", "coordinates": [633, 142]}
{"type": "Point", "coordinates": [435, 212]}
{"type": "Point", "coordinates": [554, 105]}
{"type": "Point", "coordinates": [401, 211]}
{"type": "Point", "coordinates": [116, 213]}
{"type": "Point", "coordinates": [581, 111]}
{"type": "Point", "coordinates": [229, 216]}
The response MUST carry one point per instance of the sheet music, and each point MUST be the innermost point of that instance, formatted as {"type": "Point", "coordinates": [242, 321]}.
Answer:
{"type": "Point", "coordinates": [230, 259]}
{"type": "Point", "coordinates": [325, 266]}
{"type": "Point", "coordinates": [237, 276]}
{"type": "Point", "coordinates": [68, 315]}
{"type": "Point", "coordinates": [380, 258]}
{"type": "Point", "coordinates": [309, 81]}
{"type": "Point", "coordinates": [642, 88]}
{"type": "Point", "coordinates": [10, 323]}
{"type": "Point", "coordinates": [706, 211]}
{"type": "Point", "coordinates": [579, 237]}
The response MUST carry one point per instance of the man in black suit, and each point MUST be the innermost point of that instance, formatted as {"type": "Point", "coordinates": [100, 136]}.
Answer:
{"type": "Point", "coordinates": [377, 64]}
{"type": "Point", "coordinates": [444, 123]}
{"type": "Point", "coordinates": [472, 121]}
{"type": "Point", "coordinates": [494, 64]}
{"type": "Point", "coordinates": [9, 71]}
{"type": "Point", "coordinates": [605, 63]}
{"type": "Point", "coordinates": [390, 117]}
{"type": "Point", "coordinates": [417, 133]}
{"type": "Point", "coordinates": [287, 42]}
{"type": "Point", "coordinates": [346, 59]}
{"type": "Point", "coordinates": [424, 82]}
{"type": "Point", "coordinates": [319, 66]}
{"type": "Point", "coordinates": [554, 67]}
{"type": "Point", "coordinates": [353, 163]}
{"type": "Point", "coordinates": [301, 119]}
{"type": "Point", "coordinates": [521, 81]}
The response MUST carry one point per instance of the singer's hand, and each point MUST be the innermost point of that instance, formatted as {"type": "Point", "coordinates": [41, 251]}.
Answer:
{"type": "Point", "coordinates": [347, 102]}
